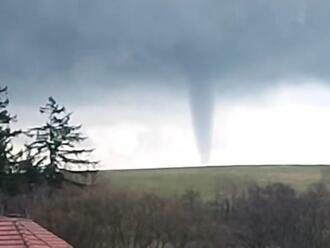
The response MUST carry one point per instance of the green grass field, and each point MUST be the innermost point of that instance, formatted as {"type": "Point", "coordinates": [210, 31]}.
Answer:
{"type": "Point", "coordinates": [211, 180]}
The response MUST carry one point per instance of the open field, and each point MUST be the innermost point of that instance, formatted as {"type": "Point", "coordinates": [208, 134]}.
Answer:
{"type": "Point", "coordinates": [211, 180]}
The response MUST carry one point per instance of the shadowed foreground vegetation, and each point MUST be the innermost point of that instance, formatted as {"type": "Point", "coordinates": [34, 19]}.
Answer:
{"type": "Point", "coordinates": [272, 216]}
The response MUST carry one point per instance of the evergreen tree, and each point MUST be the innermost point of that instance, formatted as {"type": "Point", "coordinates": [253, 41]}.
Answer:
{"type": "Point", "coordinates": [8, 160]}
{"type": "Point", "coordinates": [55, 144]}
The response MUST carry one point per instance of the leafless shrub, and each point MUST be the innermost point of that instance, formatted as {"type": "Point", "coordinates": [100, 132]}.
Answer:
{"type": "Point", "coordinates": [263, 217]}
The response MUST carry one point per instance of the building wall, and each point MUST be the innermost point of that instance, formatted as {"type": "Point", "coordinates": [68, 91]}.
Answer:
{"type": "Point", "coordinates": [83, 178]}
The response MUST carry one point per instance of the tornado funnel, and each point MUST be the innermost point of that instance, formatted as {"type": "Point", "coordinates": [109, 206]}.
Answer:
{"type": "Point", "coordinates": [202, 110]}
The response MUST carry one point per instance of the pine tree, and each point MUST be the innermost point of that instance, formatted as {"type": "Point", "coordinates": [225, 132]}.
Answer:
{"type": "Point", "coordinates": [8, 160]}
{"type": "Point", "coordinates": [55, 144]}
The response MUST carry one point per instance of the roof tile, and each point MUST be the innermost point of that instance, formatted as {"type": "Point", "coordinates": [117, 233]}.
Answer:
{"type": "Point", "coordinates": [24, 233]}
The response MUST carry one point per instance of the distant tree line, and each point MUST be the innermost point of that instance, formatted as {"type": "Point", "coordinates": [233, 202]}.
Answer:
{"type": "Point", "coordinates": [52, 146]}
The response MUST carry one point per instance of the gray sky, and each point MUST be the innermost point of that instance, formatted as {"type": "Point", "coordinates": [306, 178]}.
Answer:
{"type": "Point", "coordinates": [140, 64]}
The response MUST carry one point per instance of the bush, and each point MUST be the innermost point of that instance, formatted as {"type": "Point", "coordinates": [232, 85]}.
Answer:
{"type": "Point", "coordinates": [270, 216]}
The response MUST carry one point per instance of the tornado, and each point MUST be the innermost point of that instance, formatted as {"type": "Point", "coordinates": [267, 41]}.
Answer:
{"type": "Point", "coordinates": [202, 101]}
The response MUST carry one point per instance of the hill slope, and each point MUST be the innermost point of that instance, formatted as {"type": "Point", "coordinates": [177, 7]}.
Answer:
{"type": "Point", "coordinates": [209, 180]}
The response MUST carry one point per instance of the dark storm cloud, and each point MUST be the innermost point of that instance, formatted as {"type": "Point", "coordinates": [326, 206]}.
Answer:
{"type": "Point", "coordinates": [226, 41]}
{"type": "Point", "coordinates": [67, 46]}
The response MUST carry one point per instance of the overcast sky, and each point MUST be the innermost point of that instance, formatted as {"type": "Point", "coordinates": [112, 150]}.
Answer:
{"type": "Point", "coordinates": [176, 82]}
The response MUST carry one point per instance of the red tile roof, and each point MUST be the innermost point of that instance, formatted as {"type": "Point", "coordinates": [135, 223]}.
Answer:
{"type": "Point", "coordinates": [24, 233]}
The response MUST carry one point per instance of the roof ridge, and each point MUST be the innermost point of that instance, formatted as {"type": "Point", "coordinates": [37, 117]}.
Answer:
{"type": "Point", "coordinates": [16, 223]}
{"type": "Point", "coordinates": [33, 234]}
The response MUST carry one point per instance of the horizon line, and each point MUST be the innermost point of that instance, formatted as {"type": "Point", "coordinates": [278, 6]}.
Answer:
{"type": "Point", "coordinates": [217, 166]}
